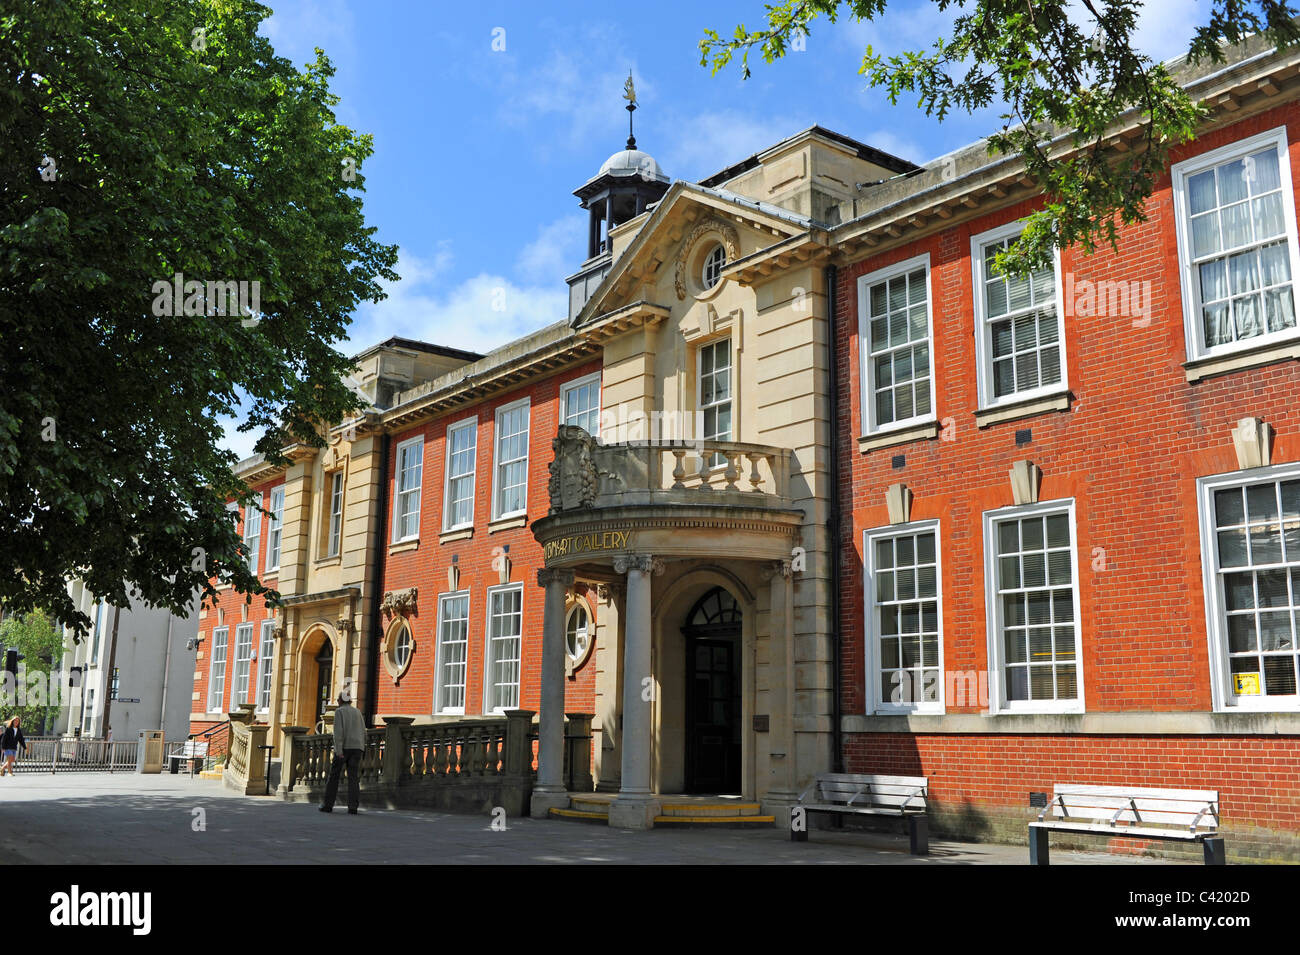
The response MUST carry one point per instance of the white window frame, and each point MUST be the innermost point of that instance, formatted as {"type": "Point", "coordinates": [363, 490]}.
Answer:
{"type": "Point", "coordinates": [334, 540]}
{"type": "Point", "coordinates": [579, 606]}
{"type": "Point", "coordinates": [983, 342]}
{"type": "Point", "coordinates": [275, 529]}
{"type": "Point", "coordinates": [439, 685]}
{"type": "Point", "coordinates": [489, 659]}
{"type": "Point", "coordinates": [265, 665]}
{"type": "Point", "coordinates": [1222, 699]}
{"type": "Point", "coordinates": [498, 465]}
{"type": "Point", "coordinates": [253, 533]}
{"type": "Point", "coordinates": [707, 266]}
{"type": "Point", "coordinates": [1193, 328]}
{"type": "Point", "coordinates": [877, 702]}
{"type": "Point", "coordinates": [448, 476]}
{"type": "Point", "coordinates": [400, 497]}
{"type": "Point", "coordinates": [240, 695]}
{"type": "Point", "coordinates": [869, 424]}
{"type": "Point", "coordinates": [712, 461]}
{"type": "Point", "coordinates": [993, 611]}
{"type": "Point", "coordinates": [217, 675]}
{"type": "Point", "coordinates": [568, 387]}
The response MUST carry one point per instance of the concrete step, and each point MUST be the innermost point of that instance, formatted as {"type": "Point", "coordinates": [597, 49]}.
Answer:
{"type": "Point", "coordinates": [590, 804]}
{"type": "Point", "coordinates": [693, 809]}
{"type": "Point", "coordinates": [721, 822]}
{"type": "Point", "coordinates": [577, 815]}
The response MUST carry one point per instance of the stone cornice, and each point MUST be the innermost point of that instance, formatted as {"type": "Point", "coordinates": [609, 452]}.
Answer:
{"type": "Point", "coordinates": [970, 183]}
{"type": "Point", "coordinates": [672, 517]}
{"type": "Point", "coordinates": [442, 396]}
{"type": "Point", "coordinates": [324, 596]}
{"type": "Point", "coordinates": [628, 318]}
{"type": "Point", "coordinates": [809, 248]}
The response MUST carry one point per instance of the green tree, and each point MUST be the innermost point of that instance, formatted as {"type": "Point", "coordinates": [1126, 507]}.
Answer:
{"type": "Point", "coordinates": [141, 140]}
{"type": "Point", "coordinates": [1055, 76]}
{"type": "Point", "coordinates": [40, 643]}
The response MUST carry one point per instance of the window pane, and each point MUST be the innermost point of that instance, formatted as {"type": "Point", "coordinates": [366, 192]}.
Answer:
{"type": "Point", "coordinates": [1239, 206]}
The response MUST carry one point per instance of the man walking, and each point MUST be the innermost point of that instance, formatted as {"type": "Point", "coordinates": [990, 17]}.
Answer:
{"type": "Point", "coordinates": [349, 743]}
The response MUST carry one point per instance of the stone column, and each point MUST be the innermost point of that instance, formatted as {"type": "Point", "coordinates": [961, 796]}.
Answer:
{"type": "Point", "coordinates": [609, 685]}
{"type": "Point", "coordinates": [636, 807]}
{"type": "Point", "coordinates": [550, 791]}
{"type": "Point", "coordinates": [783, 780]}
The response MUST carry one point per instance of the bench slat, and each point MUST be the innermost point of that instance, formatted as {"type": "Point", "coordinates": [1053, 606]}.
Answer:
{"type": "Point", "coordinates": [1124, 831]}
{"type": "Point", "coordinates": [860, 810]}
{"type": "Point", "coordinates": [861, 778]}
{"type": "Point", "coordinates": [1191, 795]}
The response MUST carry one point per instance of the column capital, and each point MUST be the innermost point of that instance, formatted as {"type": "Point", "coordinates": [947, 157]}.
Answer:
{"type": "Point", "coordinates": [555, 575]}
{"type": "Point", "coordinates": [645, 563]}
{"type": "Point", "coordinates": [610, 591]}
{"type": "Point", "coordinates": [777, 568]}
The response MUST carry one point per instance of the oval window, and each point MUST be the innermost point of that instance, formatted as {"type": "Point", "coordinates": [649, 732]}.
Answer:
{"type": "Point", "coordinates": [577, 635]}
{"type": "Point", "coordinates": [713, 263]}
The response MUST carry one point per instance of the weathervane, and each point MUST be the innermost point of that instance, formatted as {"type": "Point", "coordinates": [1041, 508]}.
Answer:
{"type": "Point", "coordinates": [629, 94]}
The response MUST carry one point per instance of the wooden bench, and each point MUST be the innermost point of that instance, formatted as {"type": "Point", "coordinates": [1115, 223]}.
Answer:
{"type": "Point", "coordinates": [852, 794]}
{"type": "Point", "coordinates": [193, 752]}
{"type": "Point", "coordinates": [1187, 815]}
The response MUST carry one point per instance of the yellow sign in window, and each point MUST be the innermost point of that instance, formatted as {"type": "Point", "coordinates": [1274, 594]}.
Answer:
{"type": "Point", "coordinates": [1246, 684]}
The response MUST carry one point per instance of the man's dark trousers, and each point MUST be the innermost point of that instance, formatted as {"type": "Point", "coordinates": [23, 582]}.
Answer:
{"type": "Point", "coordinates": [352, 757]}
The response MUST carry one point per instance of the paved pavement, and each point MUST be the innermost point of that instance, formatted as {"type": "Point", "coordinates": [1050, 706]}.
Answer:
{"type": "Point", "coordinates": [91, 818]}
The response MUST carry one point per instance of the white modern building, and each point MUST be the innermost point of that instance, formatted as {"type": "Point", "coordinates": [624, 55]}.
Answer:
{"type": "Point", "coordinates": [133, 670]}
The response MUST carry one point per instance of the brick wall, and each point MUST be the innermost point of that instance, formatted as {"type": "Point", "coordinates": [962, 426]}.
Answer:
{"type": "Point", "coordinates": [1129, 451]}
{"type": "Point", "coordinates": [231, 602]}
{"type": "Point", "coordinates": [426, 567]}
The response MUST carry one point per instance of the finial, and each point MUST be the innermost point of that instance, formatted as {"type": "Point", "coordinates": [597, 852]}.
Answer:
{"type": "Point", "coordinates": [629, 94]}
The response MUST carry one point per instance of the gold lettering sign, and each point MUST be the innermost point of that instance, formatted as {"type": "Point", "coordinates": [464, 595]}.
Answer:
{"type": "Point", "coordinates": [586, 543]}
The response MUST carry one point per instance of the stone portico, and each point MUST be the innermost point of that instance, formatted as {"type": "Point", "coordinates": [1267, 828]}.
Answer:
{"type": "Point", "coordinates": [656, 532]}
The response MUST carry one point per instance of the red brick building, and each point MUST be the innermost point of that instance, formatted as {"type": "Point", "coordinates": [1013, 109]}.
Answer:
{"type": "Point", "coordinates": [238, 635]}
{"type": "Point", "coordinates": [468, 552]}
{"type": "Point", "coordinates": [1072, 502]}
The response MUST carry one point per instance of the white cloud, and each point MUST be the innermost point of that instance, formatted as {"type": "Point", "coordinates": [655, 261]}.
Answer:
{"type": "Point", "coordinates": [240, 443]}
{"type": "Point", "coordinates": [710, 142]}
{"type": "Point", "coordinates": [478, 314]}
{"type": "Point", "coordinates": [575, 90]}
{"type": "Point", "coordinates": [555, 253]}
{"type": "Point", "coordinates": [297, 27]}
{"type": "Point", "coordinates": [904, 147]}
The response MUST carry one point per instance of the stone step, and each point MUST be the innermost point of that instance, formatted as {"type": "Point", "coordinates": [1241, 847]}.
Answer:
{"type": "Point", "coordinates": [710, 809]}
{"type": "Point", "coordinates": [724, 822]}
{"type": "Point", "coordinates": [577, 815]}
{"type": "Point", "coordinates": [590, 804]}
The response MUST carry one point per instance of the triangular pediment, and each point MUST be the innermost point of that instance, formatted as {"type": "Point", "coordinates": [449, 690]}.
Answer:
{"type": "Point", "coordinates": [687, 215]}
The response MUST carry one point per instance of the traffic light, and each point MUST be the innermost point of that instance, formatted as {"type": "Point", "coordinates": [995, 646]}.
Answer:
{"type": "Point", "coordinates": [12, 656]}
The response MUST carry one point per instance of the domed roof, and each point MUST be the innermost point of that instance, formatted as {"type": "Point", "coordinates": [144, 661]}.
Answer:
{"type": "Point", "coordinates": [632, 162]}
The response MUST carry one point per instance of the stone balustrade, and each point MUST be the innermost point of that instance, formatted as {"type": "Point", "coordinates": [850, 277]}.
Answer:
{"type": "Point", "coordinates": [245, 768]}
{"type": "Point", "coordinates": [467, 765]}
{"type": "Point", "coordinates": [586, 473]}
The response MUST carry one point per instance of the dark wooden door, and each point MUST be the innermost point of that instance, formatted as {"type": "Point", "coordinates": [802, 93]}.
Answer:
{"type": "Point", "coordinates": [712, 714]}
{"type": "Point", "coordinates": [324, 675]}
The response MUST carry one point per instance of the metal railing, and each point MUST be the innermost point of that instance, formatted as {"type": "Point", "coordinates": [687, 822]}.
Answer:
{"type": "Point", "coordinates": [64, 754]}
{"type": "Point", "coordinates": [218, 740]}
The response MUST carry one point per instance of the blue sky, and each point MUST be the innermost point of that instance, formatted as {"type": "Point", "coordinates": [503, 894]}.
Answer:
{"type": "Point", "coordinates": [478, 151]}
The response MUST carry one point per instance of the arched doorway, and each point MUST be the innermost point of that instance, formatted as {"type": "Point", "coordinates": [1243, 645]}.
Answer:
{"type": "Point", "coordinates": [713, 725]}
{"type": "Point", "coordinates": [324, 682]}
